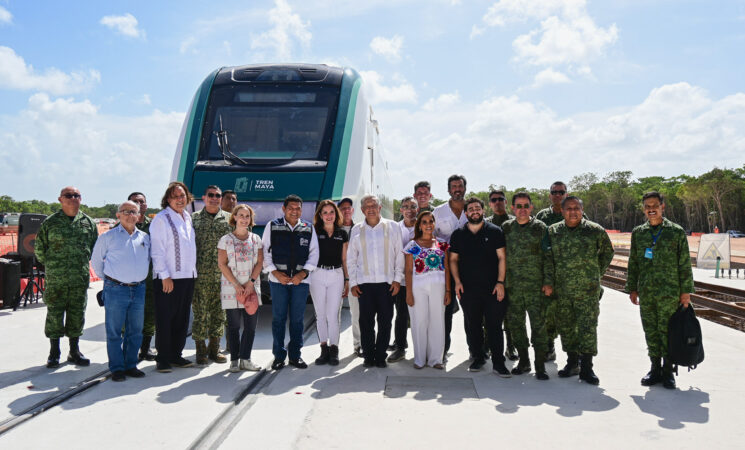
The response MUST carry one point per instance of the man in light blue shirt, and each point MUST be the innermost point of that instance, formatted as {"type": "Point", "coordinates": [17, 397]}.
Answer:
{"type": "Point", "coordinates": [121, 258]}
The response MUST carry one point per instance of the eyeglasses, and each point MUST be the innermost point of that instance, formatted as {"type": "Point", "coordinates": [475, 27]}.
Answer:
{"type": "Point", "coordinates": [129, 212]}
{"type": "Point", "coordinates": [68, 195]}
{"type": "Point", "coordinates": [496, 199]}
{"type": "Point", "coordinates": [214, 194]}
{"type": "Point", "coordinates": [521, 206]}
{"type": "Point", "coordinates": [558, 192]}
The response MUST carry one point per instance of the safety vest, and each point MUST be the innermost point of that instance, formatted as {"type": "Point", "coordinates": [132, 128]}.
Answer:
{"type": "Point", "coordinates": [290, 248]}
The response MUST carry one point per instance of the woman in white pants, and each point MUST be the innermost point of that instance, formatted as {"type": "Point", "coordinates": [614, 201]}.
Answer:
{"type": "Point", "coordinates": [329, 283]}
{"type": "Point", "coordinates": [427, 271]}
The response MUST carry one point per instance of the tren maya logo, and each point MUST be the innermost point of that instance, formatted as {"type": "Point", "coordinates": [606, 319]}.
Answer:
{"type": "Point", "coordinates": [245, 184]}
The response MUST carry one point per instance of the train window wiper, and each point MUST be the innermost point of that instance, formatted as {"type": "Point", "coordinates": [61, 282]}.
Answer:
{"type": "Point", "coordinates": [222, 142]}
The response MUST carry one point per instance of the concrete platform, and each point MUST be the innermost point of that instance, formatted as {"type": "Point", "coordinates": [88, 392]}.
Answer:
{"type": "Point", "coordinates": [398, 407]}
{"type": "Point", "coordinates": [707, 276]}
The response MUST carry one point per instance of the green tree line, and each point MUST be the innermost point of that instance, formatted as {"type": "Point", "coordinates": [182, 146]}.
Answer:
{"type": "Point", "coordinates": [7, 204]}
{"type": "Point", "coordinates": [713, 199]}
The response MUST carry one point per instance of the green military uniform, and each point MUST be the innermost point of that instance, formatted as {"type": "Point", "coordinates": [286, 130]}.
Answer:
{"type": "Point", "coordinates": [426, 208]}
{"type": "Point", "coordinates": [499, 219]}
{"type": "Point", "coordinates": [579, 257]}
{"type": "Point", "coordinates": [148, 328]}
{"type": "Point", "coordinates": [659, 280]}
{"type": "Point", "coordinates": [527, 272]}
{"type": "Point", "coordinates": [549, 217]}
{"type": "Point", "coordinates": [209, 317]}
{"type": "Point", "coordinates": [64, 245]}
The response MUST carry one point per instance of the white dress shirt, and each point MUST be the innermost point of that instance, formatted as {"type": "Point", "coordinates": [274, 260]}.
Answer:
{"type": "Point", "coordinates": [368, 259]}
{"type": "Point", "coordinates": [310, 264]}
{"type": "Point", "coordinates": [407, 234]}
{"type": "Point", "coordinates": [173, 247]}
{"type": "Point", "coordinates": [446, 222]}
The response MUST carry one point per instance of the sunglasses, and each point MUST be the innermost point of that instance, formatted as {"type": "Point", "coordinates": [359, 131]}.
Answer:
{"type": "Point", "coordinates": [496, 199]}
{"type": "Point", "coordinates": [71, 195]}
{"type": "Point", "coordinates": [558, 192]}
{"type": "Point", "coordinates": [520, 206]}
{"type": "Point", "coordinates": [214, 194]}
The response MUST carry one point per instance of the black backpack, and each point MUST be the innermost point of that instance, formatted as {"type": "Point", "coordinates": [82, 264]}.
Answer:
{"type": "Point", "coordinates": [684, 344]}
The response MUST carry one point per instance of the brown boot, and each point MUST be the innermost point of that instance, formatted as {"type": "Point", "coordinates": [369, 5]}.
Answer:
{"type": "Point", "coordinates": [201, 353]}
{"type": "Point", "coordinates": [214, 351]}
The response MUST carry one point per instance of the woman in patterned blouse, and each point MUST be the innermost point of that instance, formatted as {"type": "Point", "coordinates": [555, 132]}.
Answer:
{"type": "Point", "coordinates": [427, 272]}
{"type": "Point", "coordinates": [240, 259]}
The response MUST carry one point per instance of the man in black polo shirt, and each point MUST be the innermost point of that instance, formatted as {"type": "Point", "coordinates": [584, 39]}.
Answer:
{"type": "Point", "coordinates": [477, 263]}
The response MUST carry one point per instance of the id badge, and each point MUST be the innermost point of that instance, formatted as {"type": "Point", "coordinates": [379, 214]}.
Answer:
{"type": "Point", "coordinates": [648, 253]}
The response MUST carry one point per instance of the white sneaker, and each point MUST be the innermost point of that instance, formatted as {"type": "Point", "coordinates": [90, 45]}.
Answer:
{"type": "Point", "coordinates": [246, 364]}
{"type": "Point", "coordinates": [234, 366]}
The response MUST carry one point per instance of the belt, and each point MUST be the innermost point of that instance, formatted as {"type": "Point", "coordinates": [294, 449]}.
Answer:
{"type": "Point", "coordinates": [329, 267]}
{"type": "Point", "coordinates": [114, 280]}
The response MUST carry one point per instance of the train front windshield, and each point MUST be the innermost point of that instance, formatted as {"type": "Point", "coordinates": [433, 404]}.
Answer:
{"type": "Point", "coordinates": [267, 123]}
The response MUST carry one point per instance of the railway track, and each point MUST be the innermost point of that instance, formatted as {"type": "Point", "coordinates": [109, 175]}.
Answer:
{"type": "Point", "coordinates": [720, 304]}
{"type": "Point", "coordinates": [211, 437]}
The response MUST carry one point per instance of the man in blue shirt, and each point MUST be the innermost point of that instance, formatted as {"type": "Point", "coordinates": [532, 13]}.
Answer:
{"type": "Point", "coordinates": [121, 258]}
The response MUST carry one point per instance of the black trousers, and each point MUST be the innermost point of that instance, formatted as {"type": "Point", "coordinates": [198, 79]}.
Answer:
{"type": "Point", "coordinates": [172, 317]}
{"type": "Point", "coordinates": [401, 324]}
{"type": "Point", "coordinates": [484, 308]}
{"type": "Point", "coordinates": [241, 344]}
{"type": "Point", "coordinates": [376, 300]}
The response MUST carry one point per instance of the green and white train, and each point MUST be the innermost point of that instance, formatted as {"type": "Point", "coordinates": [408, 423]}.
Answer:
{"type": "Point", "coordinates": [267, 131]}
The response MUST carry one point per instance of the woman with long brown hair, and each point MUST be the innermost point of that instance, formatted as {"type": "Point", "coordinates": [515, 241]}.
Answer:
{"type": "Point", "coordinates": [329, 283]}
{"type": "Point", "coordinates": [427, 271]}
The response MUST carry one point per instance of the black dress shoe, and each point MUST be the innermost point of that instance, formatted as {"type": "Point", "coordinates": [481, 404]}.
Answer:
{"type": "Point", "coordinates": [369, 362]}
{"type": "Point", "coordinates": [149, 355]}
{"type": "Point", "coordinates": [163, 367]}
{"type": "Point", "coordinates": [118, 376]}
{"type": "Point", "coordinates": [181, 362]}
{"type": "Point", "coordinates": [53, 362]}
{"type": "Point", "coordinates": [381, 364]}
{"type": "Point", "coordinates": [298, 363]}
{"type": "Point", "coordinates": [278, 364]}
{"type": "Point", "coordinates": [134, 372]}
{"type": "Point", "coordinates": [358, 352]}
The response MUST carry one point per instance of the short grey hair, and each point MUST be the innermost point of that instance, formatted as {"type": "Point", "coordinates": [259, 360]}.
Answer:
{"type": "Point", "coordinates": [367, 197]}
{"type": "Point", "coordinates": [128, 202]}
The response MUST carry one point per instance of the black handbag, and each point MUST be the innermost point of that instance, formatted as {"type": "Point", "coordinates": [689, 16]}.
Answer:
{"type": "Point", "coordinates": [684, 342]}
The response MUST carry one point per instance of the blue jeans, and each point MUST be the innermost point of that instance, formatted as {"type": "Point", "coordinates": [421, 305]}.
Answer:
{"type": "Point", "coordinates": [124, 306]}
{"type": "Point", "coordinates": [293, 298]}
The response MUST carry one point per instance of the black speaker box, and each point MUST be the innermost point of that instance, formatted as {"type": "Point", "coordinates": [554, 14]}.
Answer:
{"type": "Point", "coordinates": [28, 226]}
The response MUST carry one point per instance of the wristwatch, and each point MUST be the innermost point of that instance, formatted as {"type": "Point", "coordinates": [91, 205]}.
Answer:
{"type": "Point", "coordinates": [500, 282]}
{"type": "Point", "coordinates": [253, 280]}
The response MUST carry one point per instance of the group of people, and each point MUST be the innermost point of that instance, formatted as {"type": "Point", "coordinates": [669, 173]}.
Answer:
{"type": "Point", "coordinates": [435, 261]}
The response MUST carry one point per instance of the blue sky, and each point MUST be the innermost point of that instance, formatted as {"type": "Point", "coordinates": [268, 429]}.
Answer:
{"type": "Point", "coordinates": [508, 92]}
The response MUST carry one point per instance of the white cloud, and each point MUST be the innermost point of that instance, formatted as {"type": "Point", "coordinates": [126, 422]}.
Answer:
{"type": "Point", "coordinates": [72, 142]}
{"type": "Point", "coordinates": [16, 74]}
{"type": "Point", "coordinates": [287, 29]}
{"type": "Point", "coordinates": [378, 92]}
{"type": "Point", "coordinates": [390, 49]}
{"type": "Point", "coordinates": [5, 16]}
{"type": "Point", "coordinates": [126, 25]}
{"type": "Point", "coordinates": [566, 36]}
{"type": "Point", "coordinates": [549, 76]}
{"type": "Point", "coordinates": [442, 102]}
{"type": "Point", "coordinates": [187, 45]}
{"type": "Point", "coordinates": [145, 100]}
{"type": "Point", "coordinates": [561, 41]}
{"type": "Point", "coordinates": [677, 129]}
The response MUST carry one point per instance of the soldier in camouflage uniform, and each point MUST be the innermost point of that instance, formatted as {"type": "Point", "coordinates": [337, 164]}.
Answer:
{"type": "Point", "coordinates": [659, 279]}
{"type": "Point", "coordinates": [527, 281]}
{"type": "Point", "coordinates": [498, 204]}
{"type": "Point", "coordinates": [64, 245]}
{"type": "Point", "coordinates": [423, 195]}
{"type": "Point", "coordinates": [550, 216]}
{"type": "Point", "coordinates": [210, 224]}
{"type": "Point", "coordinates": [580, 253]}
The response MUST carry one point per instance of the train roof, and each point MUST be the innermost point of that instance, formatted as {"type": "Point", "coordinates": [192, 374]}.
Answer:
{"type": "Point", "coordinates": [281, 73]}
